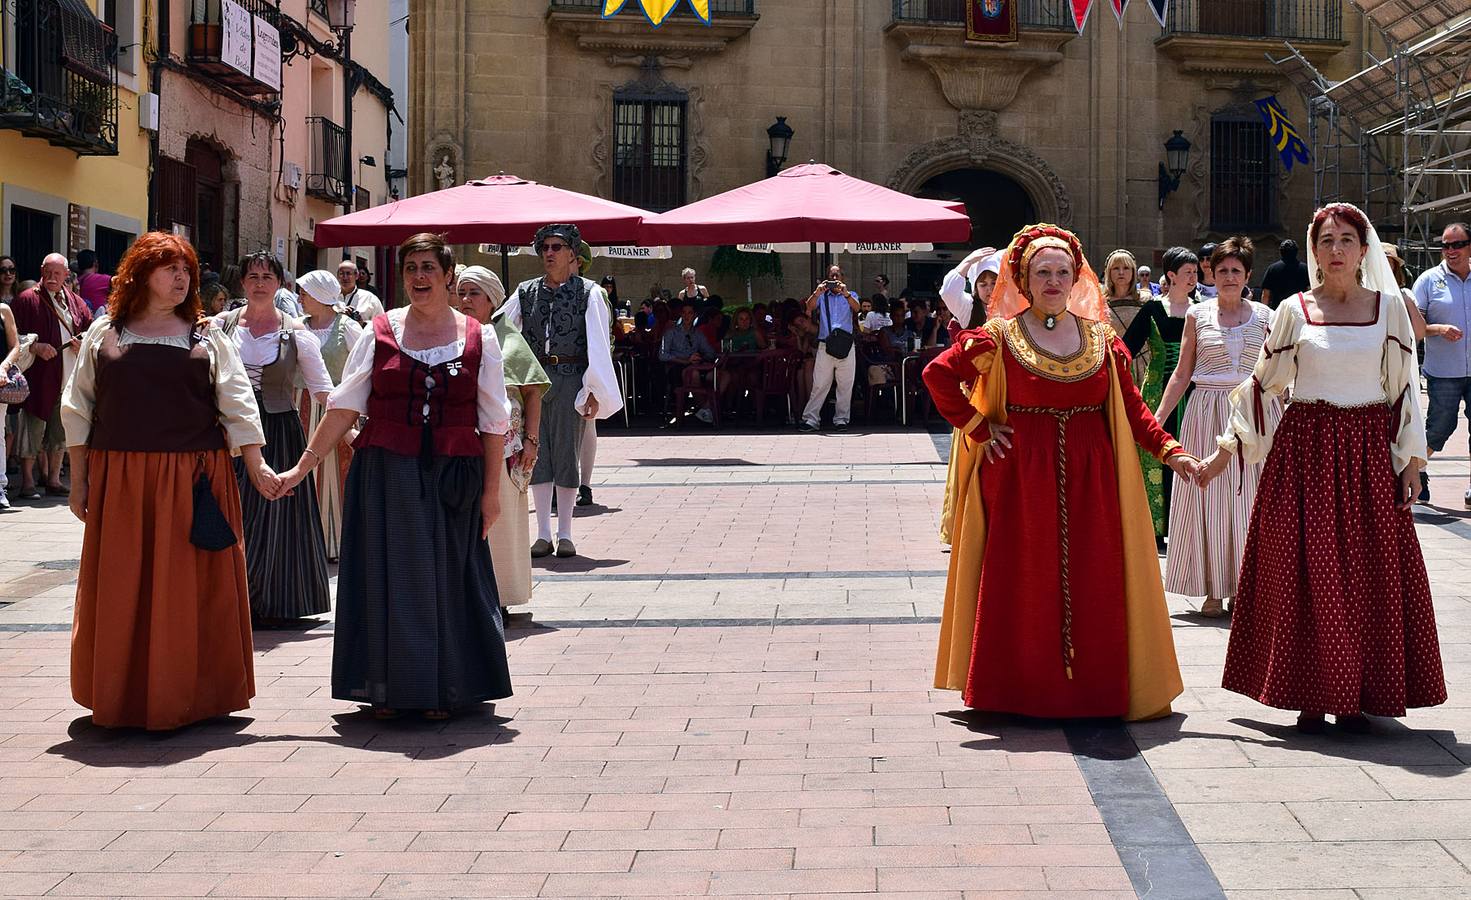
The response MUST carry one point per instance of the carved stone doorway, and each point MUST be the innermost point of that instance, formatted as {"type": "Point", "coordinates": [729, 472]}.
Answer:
{"type": "Point", "coordinates": [998, 206]}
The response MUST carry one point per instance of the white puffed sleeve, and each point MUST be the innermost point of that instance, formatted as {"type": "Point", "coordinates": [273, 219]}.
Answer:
{"type": "Point", "coordinates": [79, 397]}
{"type": "Point", "coordinates": [357, 379]}
{"type": "Point", "coordinates": [957, 299]}
{"type": "Point", "coordinates": [600, 380]}
{"type": "Point", "coordinates": [233, 394]}
{"type": "Point", "coordinates": [1401, 376]}
{"type": "Point", "coordinates": [1250, 430]}
{"type": "Point", "coordinates": [493, 408]}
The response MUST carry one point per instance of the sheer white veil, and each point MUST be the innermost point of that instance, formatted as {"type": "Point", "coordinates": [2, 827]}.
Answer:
{"type": "Point", "coordinates": [1375, 272]}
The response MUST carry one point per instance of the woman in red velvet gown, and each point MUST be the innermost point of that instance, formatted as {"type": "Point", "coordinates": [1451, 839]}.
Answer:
{"type": "Point", "coordinates": [1054, 605]}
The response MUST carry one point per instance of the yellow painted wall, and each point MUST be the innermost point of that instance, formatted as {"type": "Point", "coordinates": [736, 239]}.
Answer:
{"type": "Point", "coordinates": [111, 184]}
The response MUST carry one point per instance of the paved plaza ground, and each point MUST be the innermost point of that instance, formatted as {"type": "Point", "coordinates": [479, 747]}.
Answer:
{"type": "Point", "coordinates": [728, 694]}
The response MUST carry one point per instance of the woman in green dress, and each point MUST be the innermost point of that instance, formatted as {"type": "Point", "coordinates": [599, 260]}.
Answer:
{"type": "Point", "coordinates": [480, 295]}
{"type": "Point", "coordinates": [337, 331]}
{"type": "Point", "coordinates": [1160, 326]}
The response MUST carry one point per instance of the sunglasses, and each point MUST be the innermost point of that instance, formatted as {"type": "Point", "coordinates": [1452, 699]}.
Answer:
{"type": "Point", "coordinates": [1455, 245]}
{"type": "Point", "coordinates": [552, 248]}
{"type": "Point", "coordinates": [7, 270]}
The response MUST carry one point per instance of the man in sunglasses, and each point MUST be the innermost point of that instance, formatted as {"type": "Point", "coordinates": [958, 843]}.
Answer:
{"type": "Point", "coordinates": [565, 319]}
{"type": "Point", "coordinates": [1443, 294]}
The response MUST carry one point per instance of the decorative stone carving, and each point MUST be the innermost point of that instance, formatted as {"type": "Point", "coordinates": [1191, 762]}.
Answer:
{"type": "Point", "coordinates": [977, 76]}
{"type": "Point", "coordinates": [1220, 54]}
{"type": "Point", "coordinates": [979, 145]}
{"type": "Point", "coordinates": [651, 84]}
{"type": "Point", "coordinates": [637, 60]}
{"type": "Point", "coordinates": [443, 162]}
{"type": "Point", "coordinates": [695, 146]}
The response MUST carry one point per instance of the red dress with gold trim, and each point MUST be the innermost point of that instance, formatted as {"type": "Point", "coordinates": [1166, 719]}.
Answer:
{"type": "Point", "coordinates": [1051, 631]}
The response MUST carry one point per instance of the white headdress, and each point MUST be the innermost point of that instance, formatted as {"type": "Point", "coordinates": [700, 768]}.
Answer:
{"type": "Point", "coordinates": [1375, 273]}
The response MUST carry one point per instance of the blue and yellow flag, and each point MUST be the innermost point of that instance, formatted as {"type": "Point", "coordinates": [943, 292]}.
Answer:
{"type": "Point", "coordinates": [1282, 132]}
{"type": "Point", "coordinates": [659, 10]}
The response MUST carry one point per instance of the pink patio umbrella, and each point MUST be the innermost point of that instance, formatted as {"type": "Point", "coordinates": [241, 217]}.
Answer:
{"type": "Point", "coordinates": [502, 209]}
{"type": "Point", "coordinates": [814, 204]}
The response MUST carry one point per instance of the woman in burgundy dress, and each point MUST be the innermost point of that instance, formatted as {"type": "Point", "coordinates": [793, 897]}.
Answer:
{"type": "Point", "coordinates": [1054, 605]}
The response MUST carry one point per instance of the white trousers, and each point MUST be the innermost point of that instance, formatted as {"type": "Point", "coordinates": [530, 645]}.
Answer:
{"type": "Point", "coordinates": [824, 371]}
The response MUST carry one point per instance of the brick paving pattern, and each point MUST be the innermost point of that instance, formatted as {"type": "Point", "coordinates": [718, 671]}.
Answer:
{"type": "Point", "coordinates": [801, 756]}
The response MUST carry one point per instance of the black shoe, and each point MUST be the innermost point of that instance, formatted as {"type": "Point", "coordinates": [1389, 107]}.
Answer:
{"type": "Point", "coordinates": [1424, 496]}
{"type": "Point", "coordinates": [808, 428]}
{"type": "Point", "coordinates": [843, 428]}
{"type": "Point", "coordinates": [584, 496]}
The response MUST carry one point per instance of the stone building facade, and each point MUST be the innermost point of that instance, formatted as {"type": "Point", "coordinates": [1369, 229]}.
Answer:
{"type": "Point", "coordinates": [1057, 126]}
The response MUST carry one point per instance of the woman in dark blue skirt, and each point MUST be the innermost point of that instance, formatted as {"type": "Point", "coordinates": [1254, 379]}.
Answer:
{"type": "Point", "coordinates": [418, 618]}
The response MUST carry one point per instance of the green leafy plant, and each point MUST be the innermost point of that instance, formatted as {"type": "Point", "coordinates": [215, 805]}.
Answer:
{"type": "Point", "coordinates": [733, 263]}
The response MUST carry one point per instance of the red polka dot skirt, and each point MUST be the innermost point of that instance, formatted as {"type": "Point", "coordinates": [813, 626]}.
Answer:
{"type": "Point", "coordinates": [1333, 612]}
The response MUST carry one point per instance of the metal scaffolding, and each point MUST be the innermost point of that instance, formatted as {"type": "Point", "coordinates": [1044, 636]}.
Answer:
{"type": "Point", "coordinates": [1395, 137]}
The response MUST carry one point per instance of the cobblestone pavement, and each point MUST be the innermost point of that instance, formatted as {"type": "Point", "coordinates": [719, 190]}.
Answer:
{"type": "Point", "coordinates": [728, 695]}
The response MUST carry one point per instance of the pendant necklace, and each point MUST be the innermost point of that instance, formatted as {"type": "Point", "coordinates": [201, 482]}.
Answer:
{"type": "Point", "coordinates": [1050, 322]}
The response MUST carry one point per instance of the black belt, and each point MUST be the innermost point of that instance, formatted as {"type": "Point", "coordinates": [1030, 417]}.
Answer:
{"type": "Point", "coordinates": [555, 360]}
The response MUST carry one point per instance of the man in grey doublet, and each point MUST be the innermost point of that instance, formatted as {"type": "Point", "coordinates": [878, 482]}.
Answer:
{"type": "Point", "coordinates": [553, 322]}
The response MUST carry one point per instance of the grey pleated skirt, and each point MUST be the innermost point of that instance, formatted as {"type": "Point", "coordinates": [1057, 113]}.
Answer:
{"type": "Point", "coordinates": [418, 618]}
{"type": "Point", "coordinates": [285, 554]}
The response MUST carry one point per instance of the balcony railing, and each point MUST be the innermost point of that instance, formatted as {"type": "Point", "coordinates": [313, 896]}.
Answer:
{"type": "Point", "coordinates": [328, 159]}
{"type": "Point", "coordinates": [1046, 14]}
{"type": "Point", "coordinates": [1301, 20]}
{"type": "Point", "coordinates": [206, 42]}
{"type": "Point", "coordinates": [717, 7]}
{"type": "Point", "coordinates": [59, 75]}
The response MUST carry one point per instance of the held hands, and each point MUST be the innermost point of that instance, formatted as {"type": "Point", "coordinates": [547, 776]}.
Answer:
{"type": "Point", "coordinates": [1213, 466]}
{"type": "Point", "coordinates": [1185, 466]}
{"type": "Point", "coordinates": [265, 480]}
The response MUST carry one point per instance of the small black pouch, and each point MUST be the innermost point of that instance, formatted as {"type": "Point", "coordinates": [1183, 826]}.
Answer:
{"type": "Point", "coordinates": [210, 530]}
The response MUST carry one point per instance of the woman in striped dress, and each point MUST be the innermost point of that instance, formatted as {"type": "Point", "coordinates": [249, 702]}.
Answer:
{"type": "Point", "coordinates": [285, 556]}
{"type": "Point", "coordinates": [1218, 348]}
{"type": "Point", "coordinates": [338, 332]}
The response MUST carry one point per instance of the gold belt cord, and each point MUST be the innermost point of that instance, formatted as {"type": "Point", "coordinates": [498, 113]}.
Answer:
{"type": "Point", "coordinates": [1061, 417]}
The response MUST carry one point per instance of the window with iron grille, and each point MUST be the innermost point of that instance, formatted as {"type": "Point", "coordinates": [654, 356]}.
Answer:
{"type": "Point", "coordinates": [1243, 175]}
{"type": "Point", "coordinates": [649, 152]}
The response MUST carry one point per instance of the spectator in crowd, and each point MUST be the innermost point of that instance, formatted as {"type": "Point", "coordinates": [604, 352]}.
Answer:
{"type": "Point", "coordinates": [92, 284]}
{"type": "Point", "coordinates": [683, 349]}
{"type": "Point", "coordinates": [692, 291]}
{"type": "Point", "coordinates": [161, 636]}
{"type": "Point", "coordinates": [1206, 288]}
{"type": "Point", "coordinates": [364, 304]}
{"type": "Point", "coordinates": [1146, 282]}
{"type": "Point", "coordinates": [835, 306]}
{"type": "Point", "coordinates": [1286, 277]}
{"type": "Point", "coordinates": [711, 321]}
{"type": "Point", "coordinates": [9, 279]}
{"type": "Point", "coordinates": [865, 311]}
{"type": "Point", "coordinates": [643, 320]}
{"type": "Point", "coordinates": [213, 298]}
{"type": "Point", "coordinates": [365, 281]}
{"type": "Point", "coordinates": [58, 318]}
{"type": "Point", "coordinates": [797, 334]}
{"type": "Point", "coordinates": [1444, 297]}
{"type": "Point", "coordinates": [230, 278]}
{"type": "Point", "coordinates": [1397, 266]}
{"type": "Point", "coordinates": [880, 290]}
{"type": "Point", "coordinates": [610, 287]}
{"type": "Point", "coordinates": [9, 351]}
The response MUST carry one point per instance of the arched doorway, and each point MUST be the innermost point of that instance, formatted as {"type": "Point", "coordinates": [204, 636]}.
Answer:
{"type": "Point", "coordinates": [998, 206]}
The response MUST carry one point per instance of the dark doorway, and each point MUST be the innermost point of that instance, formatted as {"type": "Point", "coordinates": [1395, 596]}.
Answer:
{"type": "Point", "coordinates": [32, 236]}
{"type": "Point", "coordinates": [998, 209]}
{"type": "Point", "coordinates": [111, 245]}
{"type": "Point", "coordinates": [209, 198]}
{"type": "Point", "coordinates": [306, 257]}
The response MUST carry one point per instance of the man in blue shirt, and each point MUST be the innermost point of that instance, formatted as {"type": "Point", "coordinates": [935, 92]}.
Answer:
{"type": "Point", "coordinates": [1444, 297]}
{"type": "Point", "coordinates": [836, 308]}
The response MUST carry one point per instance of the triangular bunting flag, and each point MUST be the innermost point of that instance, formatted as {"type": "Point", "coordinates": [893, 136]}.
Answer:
{"type": "Point", "coordinates": [1158, 7]}
{"type": "Point", "coordinates": [1081, 8]}
{"type": "Point", "coordinates": [658, 10]}
{"type": "Point", "coordinates": [1118, 10]}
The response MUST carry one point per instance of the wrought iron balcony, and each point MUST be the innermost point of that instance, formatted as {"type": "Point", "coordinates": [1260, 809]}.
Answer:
{"type": "Point", "coordinates": [1033, 14]}
{"type": "Point", "coordinates": [328, 160]}
{"type": "Point", "coordinates": [207, 43]}
{"type": "Point", "coordinates": [60, 75]}
{"type": "Point", "coordinates": [1293, 20]}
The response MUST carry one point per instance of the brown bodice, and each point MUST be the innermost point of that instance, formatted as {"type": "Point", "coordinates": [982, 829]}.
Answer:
{"type": "Point", "coordinates": [154, 398]}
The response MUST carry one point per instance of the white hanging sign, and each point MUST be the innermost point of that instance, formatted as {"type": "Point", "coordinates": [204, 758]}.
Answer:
{"type": "Point", "coordinates": [267, 67]}
{"type": "Point", "coordinates": [237, 35]}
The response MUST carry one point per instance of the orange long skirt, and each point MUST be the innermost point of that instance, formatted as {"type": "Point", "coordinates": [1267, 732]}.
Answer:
{"type": "Point", "coordinates": [161, 634]}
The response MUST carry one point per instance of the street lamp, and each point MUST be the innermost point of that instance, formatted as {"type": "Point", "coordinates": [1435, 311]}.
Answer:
{"type": "Point", "coordinates": [1177, 154]}
{"type": "Point", "coordinates": [779, 138]}
{"type": "Point", "coordinates": [341, 15]}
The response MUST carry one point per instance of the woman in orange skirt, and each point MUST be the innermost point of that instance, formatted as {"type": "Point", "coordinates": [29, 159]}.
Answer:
{"type": "Point", "coordinates": [161, 636]}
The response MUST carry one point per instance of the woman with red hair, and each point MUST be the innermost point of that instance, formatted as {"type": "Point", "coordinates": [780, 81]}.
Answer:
{"type": "Point", "coordinates": [1054, 605]}
{"type": "Point", "coordinates": [1333, 611]}
{"type": "Point", "coordinates": [158, 403]}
